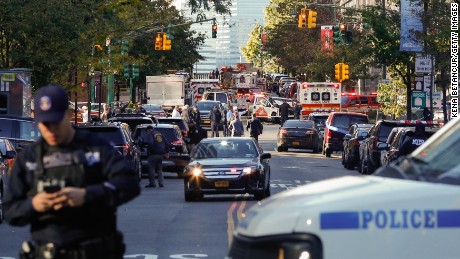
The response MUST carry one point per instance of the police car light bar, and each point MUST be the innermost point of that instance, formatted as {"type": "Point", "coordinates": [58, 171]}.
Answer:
{"type": "Point", "coordinates": [419, 121]}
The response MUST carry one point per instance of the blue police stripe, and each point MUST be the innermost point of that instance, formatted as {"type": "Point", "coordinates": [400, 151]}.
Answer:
{"type": "Point", "coordinates": [339, 220]}
{"type": "Point", "coordinates": [448, 218]}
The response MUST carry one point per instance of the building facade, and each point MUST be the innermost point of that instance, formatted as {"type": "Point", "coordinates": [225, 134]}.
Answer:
{"type": "Point", "coordinates": [232, 33]}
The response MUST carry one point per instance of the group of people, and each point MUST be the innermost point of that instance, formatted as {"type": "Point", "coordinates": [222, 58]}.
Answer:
{"type": "Point", "coordinates": [107, 112]}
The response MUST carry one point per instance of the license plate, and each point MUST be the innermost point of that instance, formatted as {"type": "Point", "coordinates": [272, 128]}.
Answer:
{"type": "Point", "coordinates": [206, 121]}
{"type": "Point", "coordinates": [296, 143]}
{"type": "Point", "coordinates": [221, 184]}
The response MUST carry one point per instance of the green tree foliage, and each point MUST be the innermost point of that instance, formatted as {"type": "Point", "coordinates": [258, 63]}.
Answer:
{"type": "Point", "coordinates": [54, 37]}
{"type": "Point", "coordinates": [392, 98]}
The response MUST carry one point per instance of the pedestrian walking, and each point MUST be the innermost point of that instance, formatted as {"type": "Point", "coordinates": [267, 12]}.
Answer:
{"type": "Point", "coordinates": [255, 127]}
{"type": "Point", "coordinates": [105, 113]}
{"type": "Point", "coordinates": [236, 126]}
{"type": "Point", "coordinates": [158, 147]}
{"type": "Point", "coordinates": [228, 119]}
{"type": "Point", "coordinates": [186, 114]}
{"type": "Point", "coordinates": [175, 112]}
{"type": "Point", "coordinates": [215, 118]}
{"type": "Point", "coordinates": [84, 115]}
{"type": "Point", "coordinates": [196, 115]}
{"type": "Point", "coordinates": [284, 112]}
{"type": "Point", "coordinates": [297, 110]}
{"type": "Point", "coordinates": [67, 186]}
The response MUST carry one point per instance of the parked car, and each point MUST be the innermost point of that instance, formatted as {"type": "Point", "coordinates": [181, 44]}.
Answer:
{"type": "Point", "coordinates": [320, 119]}
{"type": "Point", "coordinates": [179, 121]}
{"type": "Point", "coordinates": [370, 155]}
{"type": "Point", "coordinates": [133, 119]}
{"type": "Point", "coordinates": [21, 131]}
{"type": "Point", "coordinates": [178, 153]}
{"type": "Point", "coordinates": [401, 135]}
{"type": "Point", "coordinates": [299, 134]}
{"type": "Point", "coordinates": [7, 156]}
{"type": "Point", "coordinates": [227, 166]}
{"type": "Point", "coordinates": [337, 125]}
{"type": "Point", "coordinates": [119, 135]}
{"type": "Point", "coordinates": [351, 142]}
{"type": "Point", "coordinates": [154, 110]}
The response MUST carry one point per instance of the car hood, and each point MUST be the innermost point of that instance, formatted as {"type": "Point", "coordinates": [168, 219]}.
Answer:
{"type": "Point", "coordinates": [341, 203]}
{"type": "Point", "coordinates": [224, 162]}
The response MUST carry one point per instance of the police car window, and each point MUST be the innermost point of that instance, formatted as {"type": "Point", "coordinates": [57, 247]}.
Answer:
{"type": "Point", "coordinates": [6, 128]}
{"type": "Point", "coordinates": [28, 130]}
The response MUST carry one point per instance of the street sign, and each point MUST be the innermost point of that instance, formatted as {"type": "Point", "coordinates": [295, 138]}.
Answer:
{"type": "Point", "coordinates": [427, 83]}
{"type": "Point", "coordinates": [418, 99]}
{"type": "Point", "coordinates": [423, 63]}
{"type": "Point", "coordinates": [418, 83]}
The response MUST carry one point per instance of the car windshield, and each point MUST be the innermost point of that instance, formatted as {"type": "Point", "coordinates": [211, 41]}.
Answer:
{"type": "Point", "coordinates": [206, 106]}
{"type": "Point", "coordinates": [152, 108]}
{"type": "Point", "coordinates": [225, 149]}
{"type": "Point", "coordinates": [297, 124]}
{"type": "Point", "coordinates": [345, 121]}
{"type": "Point", "coordinates": [168, 133]}
{"type": "Point", "coordinates": [113, 135]}
{"type": "Point", "coordinates": [178, 122]}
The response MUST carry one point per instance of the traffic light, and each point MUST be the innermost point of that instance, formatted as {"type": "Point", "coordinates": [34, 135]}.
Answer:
{"type": "Point", "coordinates": [83, 84]}
{"type": "Point", "coordinates": [124, 47]}
{"type": "Point", "coordinates": [214, 31]}
{"type": "Point", "coordinates": [303, 18]}
{"type": "Point", "coordinates": [159, 42]}
{"type": "Point", "coordinates": [338, 72]}
{"type": "Point", "coordinates": [135, 70]}
{"type": "Point", "coordinates": [345, 72]}
{"type": "Point", "coordinates": [127, 70]}
{"type": "Point", "coordinates": [337, 34]}
{"type": "Point", "coordinates": [348, 35]}
{"type": "Point", "coordinates": [312, 19]}
{"type": "Point", "coordinates": [166, 42]}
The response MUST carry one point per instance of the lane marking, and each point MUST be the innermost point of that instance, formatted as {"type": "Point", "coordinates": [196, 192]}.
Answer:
{"type": "Point", "coordinates": [231, 222]}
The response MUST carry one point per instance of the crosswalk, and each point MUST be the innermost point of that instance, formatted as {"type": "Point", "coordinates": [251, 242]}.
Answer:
{"type": "Point", "coordinates": [287, 184]}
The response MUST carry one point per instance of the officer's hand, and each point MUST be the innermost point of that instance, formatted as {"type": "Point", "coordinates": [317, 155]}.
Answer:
{"type": "Point", "coordinates": [70, 197]}
{"type": "Point", "coordinates": [43, 202]}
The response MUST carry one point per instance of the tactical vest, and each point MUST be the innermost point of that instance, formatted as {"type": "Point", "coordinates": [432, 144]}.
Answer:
{"type": "Point", "coordinates": [63, 167]}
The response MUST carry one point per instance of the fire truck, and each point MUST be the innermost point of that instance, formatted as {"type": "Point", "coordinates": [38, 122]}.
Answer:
{"type": "Point", "coordinates": [199, 86]}
{"type": "Point", "coordinates": [353, 102]}
{"type": "Point", "coordinates": [319, 95]}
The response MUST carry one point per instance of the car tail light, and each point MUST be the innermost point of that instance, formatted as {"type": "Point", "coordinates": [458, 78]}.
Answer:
{"type": "Point", "coordinates": [184, 133]}
{"type": "Point", "coordinates": [328, 134]}
{"type": "Point", "coordinates": [176, 142]}
{"type": "Point", "coordinates": [356, 143]}
{"type": "Point", "coordinates": [125, 149]}
{"type": "Point", "coordinates": [283, 131]}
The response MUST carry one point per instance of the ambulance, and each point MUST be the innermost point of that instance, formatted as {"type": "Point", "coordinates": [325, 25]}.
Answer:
{"type": "Point", "coordinates": [199, 86]}
{"type": "Point", "coordinates": [319, 95]}
{"type": "Point", "coordinates": [409, 209]}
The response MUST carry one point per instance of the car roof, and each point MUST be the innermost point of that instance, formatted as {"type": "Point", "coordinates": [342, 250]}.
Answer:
{"type": "Point", "coordinates": [156, 126]}
{"type": "Point", "coordinates": [348, 113]}
{"type": "Point", "coordinates": [16, 117]}
{"type": "Point", "coordinates": [224, 138]}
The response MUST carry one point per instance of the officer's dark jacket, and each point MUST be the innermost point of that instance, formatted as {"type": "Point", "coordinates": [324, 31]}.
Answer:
{"type": "Point", "coordinates": [412, 143]}
{"type": "Point", "coordinates": [215, 116]}
{"type": "Point", "coordinates": [108, 178]}
{"type": "Point", "coordinates": [156, 143]}
{"type": "Point", "coordinates": [256, 127]}
{"type": "Point", "coordinates": [196, 116]}
{"type": "Point", "coordinates": [284, 109]}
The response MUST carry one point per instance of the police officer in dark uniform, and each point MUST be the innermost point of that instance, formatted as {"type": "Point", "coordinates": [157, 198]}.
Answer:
{"type": "Point", "coordinates": [284, 111]}
{"type": "Point", "coordinates": [215, 117]}
{"type": "Point", "coordinates": [412, 143]}
{"type": "Point", "coordinates": [158, 148]}
{"type": "Point", "coordinates": [67, 186]}
{"type": "Point", "coordinates": [255, 127]}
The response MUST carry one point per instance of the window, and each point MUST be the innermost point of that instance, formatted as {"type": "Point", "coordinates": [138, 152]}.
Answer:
{"type": "Point", "coordinates": [299, 124]}
{"type": "Point", "coordinates": [6, 128]}
{"type": "Point", "coordinates": [363, 100]}
{"type": "Point", "coordinates": [221, 97]}
{"type": "Point", "coordinates": [210, 97]}
{"type": "Point", "coordinates": [113, 135]}
{"type": "Point", "coordinates": [28, 130]}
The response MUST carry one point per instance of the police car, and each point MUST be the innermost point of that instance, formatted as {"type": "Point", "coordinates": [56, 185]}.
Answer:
{"type": "Point", "coordinates": [409, 209]}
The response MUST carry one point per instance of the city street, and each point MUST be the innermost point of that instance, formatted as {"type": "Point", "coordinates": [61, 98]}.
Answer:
{"type": "Point", "coordinates": [160, 224]}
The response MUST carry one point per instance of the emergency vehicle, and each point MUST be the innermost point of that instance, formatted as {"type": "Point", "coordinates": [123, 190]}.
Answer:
{"type": "Point", "coordinates": [267, 107]}
{"type": "Point", "coordinates": [361, 103]}
{"type": "Point", "coordinates": [319, 95]}
{"type": "Point", "coordinates": [408, 209]}
{"type": "Point", "coordinates": [199, 86]}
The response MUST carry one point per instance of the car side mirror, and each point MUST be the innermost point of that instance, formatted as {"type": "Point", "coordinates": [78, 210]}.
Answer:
{"type": "Point", "coordinates": [265, 156]}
